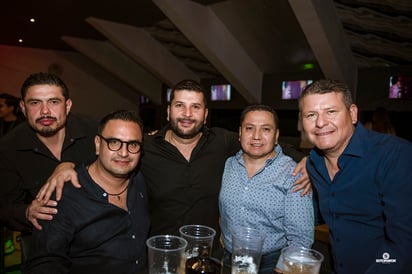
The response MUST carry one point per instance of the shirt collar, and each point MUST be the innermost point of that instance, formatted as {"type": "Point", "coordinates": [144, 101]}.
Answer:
{"type": "Point", "coordinates": [27, 138]}
{"type": "Point", "coordinates": [354, 148]}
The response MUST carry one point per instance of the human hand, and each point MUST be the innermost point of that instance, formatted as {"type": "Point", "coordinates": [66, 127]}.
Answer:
{"type": "Point", "coordinates": [278, 271]}
{"type": "Point", "coordinates": [303, 183]}
{"type": "Point", "coordinates": [39, 211]}
{"type": "Point", "coordinates": [64, 172]}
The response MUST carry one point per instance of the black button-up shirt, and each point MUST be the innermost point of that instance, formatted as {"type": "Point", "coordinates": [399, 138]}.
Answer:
{"type": "Point", "coordinates": [26, 163]}
{"type": "Point", "coordinates": [91, 235]}
{"type": "Point", "coordinates": [186, 192]}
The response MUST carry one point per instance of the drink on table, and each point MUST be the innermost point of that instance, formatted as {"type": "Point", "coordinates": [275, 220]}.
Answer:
{"type": "Point", "coordinates": [300, 260]}
{"type": "Point", "coordinates": [203, 263]}
{"type": "Point", "coordinates": [246, 250]}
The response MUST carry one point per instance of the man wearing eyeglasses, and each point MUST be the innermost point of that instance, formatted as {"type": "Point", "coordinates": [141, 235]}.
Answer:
{"type": "Point", "coordinates": [102, 226]}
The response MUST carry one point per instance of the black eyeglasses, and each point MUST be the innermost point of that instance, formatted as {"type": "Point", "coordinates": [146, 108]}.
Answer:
{"type": "Point", "coordinates": [114, 144]}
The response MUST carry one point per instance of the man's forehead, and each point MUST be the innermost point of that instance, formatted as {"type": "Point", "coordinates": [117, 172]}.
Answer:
{"type": "Point", "coordinates": [117, 126]}
{"type": "Point", "coordinates": [44, 93]}
{"type": "Point", "coordinates": [189, 96]}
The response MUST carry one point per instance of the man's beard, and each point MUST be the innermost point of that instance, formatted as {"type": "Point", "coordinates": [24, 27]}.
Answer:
{"type": "Point", "coordinates": [48, 131]}
{"type": "Point", "coordinates": [188, 135]}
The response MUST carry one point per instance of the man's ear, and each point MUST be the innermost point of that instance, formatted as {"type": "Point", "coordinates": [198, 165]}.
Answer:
{"type": "Point", "coordinates": [23, 107]}
{"type": "Point", "coordinates": [353, 110]}
{"type": "Point", "coordinates": [68, 105]}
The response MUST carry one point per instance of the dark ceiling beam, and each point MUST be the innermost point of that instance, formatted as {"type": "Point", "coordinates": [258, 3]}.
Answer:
{"type": "Point", "coordinates": [324, 33]}
{"type": "Point", "coordinates": [145, 50]}
{"type": "Point", "coordinates": [211, 37]}
{"type": "Point", "coordinates": [119, 65]}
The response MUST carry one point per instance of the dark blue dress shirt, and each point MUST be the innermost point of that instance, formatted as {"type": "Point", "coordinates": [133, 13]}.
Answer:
{"type": "Point", "coordinates": [368, 204]}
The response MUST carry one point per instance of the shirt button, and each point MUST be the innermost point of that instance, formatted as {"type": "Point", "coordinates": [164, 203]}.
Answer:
{"type": "Point", "coordinates": [105, 194]}
{"type": "Point", "coordinates": [133, 237]}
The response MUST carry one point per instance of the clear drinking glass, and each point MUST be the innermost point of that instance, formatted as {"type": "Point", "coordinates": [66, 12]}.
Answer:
{"type": "Point", "coordinates": [301, 260]}
{"type": "Point", "coordinates": [165, 254]}
{"type": "Point", "coordinates": [246, 250]}
{"type": "Point", "coordinates": [197, 236]}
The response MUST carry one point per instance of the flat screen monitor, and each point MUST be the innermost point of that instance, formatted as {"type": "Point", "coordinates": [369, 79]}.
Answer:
{"type": "Point", "coordinates": [168, 92]}
{"type": "Point", "coordinates": [220, 92]}
{"type": "Point", "coordinates": [144, 100]}
{"type": "Point", "coordinates": [293, 89]}
{"type": "Point", "coordinates": [400, 87]}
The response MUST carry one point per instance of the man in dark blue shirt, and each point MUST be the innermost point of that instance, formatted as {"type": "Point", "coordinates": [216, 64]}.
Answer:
{"type": "Point", "coordinates": [364, 182]}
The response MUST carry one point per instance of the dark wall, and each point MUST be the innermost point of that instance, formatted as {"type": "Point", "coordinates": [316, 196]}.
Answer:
{"type": "Point", "coordinates": [373, 90]}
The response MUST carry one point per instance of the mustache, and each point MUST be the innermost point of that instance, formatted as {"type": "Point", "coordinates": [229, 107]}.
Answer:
{"type": "Point", "coordinates": [45, 117]}
{"type": "Point", "coordinates": [185, 120]}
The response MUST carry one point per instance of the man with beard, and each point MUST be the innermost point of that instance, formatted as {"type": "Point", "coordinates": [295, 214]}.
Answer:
{"type": "Point", "coordinates": [183, 165]}
{"type": "Point", "coordinates": [30, 153]}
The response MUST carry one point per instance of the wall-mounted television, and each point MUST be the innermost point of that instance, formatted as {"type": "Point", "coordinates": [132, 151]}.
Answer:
{"type": "Point", "coordinates": [293, 89]}
{"type": "Point", "coordinates": [220, 92]}
{"type": "Point", "coordinates": [400, 87]}
{"type": "Point", "coordinates": [144, 100]}
{"type": "Point", "coordinates": [168, 92]}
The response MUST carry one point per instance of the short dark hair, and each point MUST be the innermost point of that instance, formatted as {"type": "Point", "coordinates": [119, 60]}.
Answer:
{"type": "Point", "coordinates": [259, 107]}
{"type": "Point", "coordinates": [190, 85]}
{"type": "Point", "coordinates": [328, 86]}
{"type": "Point", "coordinates": [124, 115]}
{"type": "Point", "coordinates": [43, 78]}
{"type": "Point", "coordinates": [10, 101]}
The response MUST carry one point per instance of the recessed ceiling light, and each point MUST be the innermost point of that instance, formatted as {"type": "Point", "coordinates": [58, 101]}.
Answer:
{"type": "Point", "coordinates": [32, 20]}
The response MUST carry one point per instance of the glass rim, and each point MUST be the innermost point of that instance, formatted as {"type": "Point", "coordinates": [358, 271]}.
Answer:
{"type": "Point", "coordinates": [299, 249]}
{"type": "Point", "coordinates": [248, 232]}
{"type": "Point", "coordinates": [169, 238]}
{"type": "Point", "coordinates": [198, 227]}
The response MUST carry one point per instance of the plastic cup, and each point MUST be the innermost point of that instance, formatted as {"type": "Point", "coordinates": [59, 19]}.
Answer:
{"type": "Point", "coordinates": [197, 236]}
{"type": "Point", "coordinates": [246, 250]}
{"type": "Point", "coordinates": [165, 254]}
{"type": "Point", "coordinates": [301, 260]}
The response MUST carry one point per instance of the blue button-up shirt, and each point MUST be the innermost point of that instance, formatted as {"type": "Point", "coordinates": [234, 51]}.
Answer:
{"type": "Point", "coordinates": [265, 202]}
{"type": "Point", "coordinates": [368, 204]}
